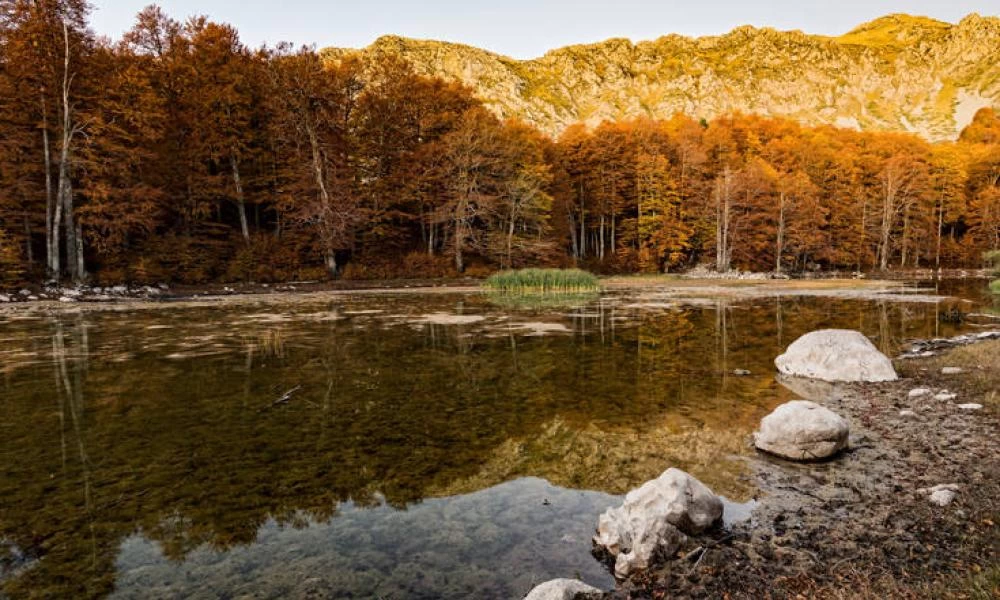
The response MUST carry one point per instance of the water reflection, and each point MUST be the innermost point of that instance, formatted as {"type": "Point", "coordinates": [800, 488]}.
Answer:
{"type": "Point", "coordinates": [385, 445]}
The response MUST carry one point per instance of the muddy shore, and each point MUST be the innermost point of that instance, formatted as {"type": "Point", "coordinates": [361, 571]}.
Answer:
{"type": "Point", "coordinates": [857, 526]}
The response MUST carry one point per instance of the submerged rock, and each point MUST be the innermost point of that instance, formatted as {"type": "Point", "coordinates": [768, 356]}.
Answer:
{"type": "Point", "coordinates": [652, 521]}
{"type": "Point", "coordinates": [836, 355]}
{"type": "Point", "coordinates": [562, 589]}
{"type": "Point", "coordinates": [802, 430]}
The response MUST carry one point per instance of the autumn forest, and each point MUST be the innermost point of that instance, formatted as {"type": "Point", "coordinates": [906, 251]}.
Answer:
{"type": "Point", "coordinates": [179, 154]}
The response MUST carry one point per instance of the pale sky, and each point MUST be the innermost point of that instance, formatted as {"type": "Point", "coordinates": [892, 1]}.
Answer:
{"type": "Point", "coordinates": [521, 28]}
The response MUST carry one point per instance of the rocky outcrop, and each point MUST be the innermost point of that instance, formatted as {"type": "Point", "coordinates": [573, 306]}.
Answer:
{"type": "Point", "coordinates": [836, 355]}
{"type": "Point", "coordinates": [897, 73]}
{"type": "Point", "coordinates": [654, 520]}
{"type": "Point", "coordinates": [563, 589]}
{"type": "Point", "coordinates": [802, 430]}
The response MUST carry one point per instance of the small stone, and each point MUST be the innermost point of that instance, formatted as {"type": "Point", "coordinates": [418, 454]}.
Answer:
{"type": "Point", "coordinates": [4, 298]}
{"type": "Point", "coordinates": [32, 297]}
{"type": "Point", "coordinates": [561, 589]}
{"type": "Point", "coordinates": [970, 406]}
{"type": "Point", "coordinates": [25, 292]}
{"type": "Point", "coordinates": [918, 393]}
{"type": "Point", "coordinates": [908, 414]}
{"type": "Point", "coordinates": [741, 372]}
{"type": "Point", "coordinates": [67, 299]}
{"type": "Point", "coordinates": [942, 497]}
{"type": "Point", "coordinates": [945, 396]}
{"type": "Point", "coordinates": [952, 371]}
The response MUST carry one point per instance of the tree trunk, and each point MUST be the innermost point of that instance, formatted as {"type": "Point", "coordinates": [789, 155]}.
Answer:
{"type": "Point", "coordinates": [29, 251]}
{"type": "Point", "coordinates": [780, 247]}
{"type": "Point", "coordinates": [240, 203]}
{"type": "Point", "coordinates": [74, 246]}
{"type": "Point", "coordinates": [52, 212]}
{"type": "Point", "coordinates": [940, 225]}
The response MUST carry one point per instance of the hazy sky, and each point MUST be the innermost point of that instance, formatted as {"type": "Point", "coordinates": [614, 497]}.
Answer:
{"type": "Point", "coordinates": [521, 28]}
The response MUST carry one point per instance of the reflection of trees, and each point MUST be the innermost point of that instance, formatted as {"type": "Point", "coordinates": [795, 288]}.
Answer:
{"type": "Point", "coordinates": [194, 452]}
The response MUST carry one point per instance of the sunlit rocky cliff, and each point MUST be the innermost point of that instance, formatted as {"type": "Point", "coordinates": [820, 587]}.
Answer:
{"type": "Point", "coordinates": [897, 73]}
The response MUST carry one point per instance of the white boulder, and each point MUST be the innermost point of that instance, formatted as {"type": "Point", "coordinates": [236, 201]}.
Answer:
{"type": "Point", "coordinates": [561, 589]}
{"type": "Point", "coordinates": [653, 520]}
{"type": "Point", "coordinates": [836, 355]}
{"type": "Point", "coordinates": [802, 430]}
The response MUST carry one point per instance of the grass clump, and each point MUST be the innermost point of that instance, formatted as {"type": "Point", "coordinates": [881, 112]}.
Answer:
{"type": "Point", "coordinates": [543, 281]}
{"type": "Point", "coordinates": [992, 259]}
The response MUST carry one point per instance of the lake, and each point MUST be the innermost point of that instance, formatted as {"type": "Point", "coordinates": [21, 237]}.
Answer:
{"type": "Point", "coordinates": [380, 445]}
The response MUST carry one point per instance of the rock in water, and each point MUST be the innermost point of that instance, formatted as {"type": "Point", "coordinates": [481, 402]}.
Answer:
{"type": "Point", "coordinates": [562, 589]}
{"type": "Point", "coordinates": [802, 430]}
{"type": "Point", "coordinates": [653, 519]}
{"type": "Point", "coordinates": [836, 355]}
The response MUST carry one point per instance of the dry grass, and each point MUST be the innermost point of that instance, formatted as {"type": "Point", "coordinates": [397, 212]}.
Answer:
{"type": "Point", "coordinates": [982, 362]}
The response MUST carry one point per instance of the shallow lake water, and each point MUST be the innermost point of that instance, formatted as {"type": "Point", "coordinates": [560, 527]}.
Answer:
{"type": "Point", "coordinates": [440, 445]}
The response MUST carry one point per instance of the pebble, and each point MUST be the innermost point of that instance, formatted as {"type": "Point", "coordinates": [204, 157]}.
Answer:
{"type": "Point", "coordinates": [741, 372]}
{"type": "Point", "coordinates": [952, 371]}
{"type": "Point", "coordinates": [942, 497]}
{"type": "Point", "coordinates": [919, 392]}
{"type": "Point", "coordinates": [970, 406]}
{"type": "Point", "coordinates": [942, 494]}
{"type": "Point", "coordinates": [945, 396]}
{"type": "Point", "coordinates": [909, 414]}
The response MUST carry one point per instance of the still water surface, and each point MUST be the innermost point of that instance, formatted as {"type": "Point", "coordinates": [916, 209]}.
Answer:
{"type": "Point", "coordinates": [374, 445]}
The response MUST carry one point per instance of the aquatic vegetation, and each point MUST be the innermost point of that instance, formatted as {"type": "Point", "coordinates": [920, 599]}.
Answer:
{"type": "Point", "coordinates": [533, 301]}
{"type": "Point", "coordinates": [992, 258]}
{"type": "Point", "coordinates": [543, 281]}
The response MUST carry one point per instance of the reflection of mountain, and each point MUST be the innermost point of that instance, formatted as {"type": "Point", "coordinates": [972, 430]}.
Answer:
{"type": "Point", "coordinates": [493, 543]}
{"type": "Point", "coordinates": [615, 460]}
{"type": "Point", "coordinates": [114, 437]}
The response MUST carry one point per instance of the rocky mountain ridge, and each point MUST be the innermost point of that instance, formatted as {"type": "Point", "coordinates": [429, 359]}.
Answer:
{"type": "Point", "coordinates": [897, 73]}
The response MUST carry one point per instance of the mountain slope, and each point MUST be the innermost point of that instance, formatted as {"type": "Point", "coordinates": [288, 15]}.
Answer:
{"type": "Point", "coordinates": [897, 73]}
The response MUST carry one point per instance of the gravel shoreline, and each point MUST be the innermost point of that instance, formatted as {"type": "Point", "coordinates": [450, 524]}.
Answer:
{"type": "Point", "coordinates": [859, 526]}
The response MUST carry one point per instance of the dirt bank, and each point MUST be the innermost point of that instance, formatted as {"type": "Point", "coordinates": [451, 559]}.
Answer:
{"type": "Point", "coordinates": [857, 526]}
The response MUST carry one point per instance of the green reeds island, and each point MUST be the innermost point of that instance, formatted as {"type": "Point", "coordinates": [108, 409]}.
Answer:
{"type": "Point", "coordinates": [542, 281]}
{"type": "Point", "coordinates": [993, 259]}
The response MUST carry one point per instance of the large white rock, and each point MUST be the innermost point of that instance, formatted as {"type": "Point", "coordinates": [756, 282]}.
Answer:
{"type": "Point", "coordinates": [836, 355]}
{"type": "Point", "coordinates": [561, 589]}
{"type": "Point", "coordinates": [802, 430]}
{"type": "Point", "coordinates": [652, 521]}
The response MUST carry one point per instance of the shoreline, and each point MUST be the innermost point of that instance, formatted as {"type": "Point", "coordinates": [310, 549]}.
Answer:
{"type": "Point", "coordinates": [679, 288]}
{"type": "Point", "coordinates": [858, 524]}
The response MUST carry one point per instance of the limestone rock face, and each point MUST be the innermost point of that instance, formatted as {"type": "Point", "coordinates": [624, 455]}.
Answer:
{"type": "Point", "coordinates": [836, 355]}
{"type": "Point", "coordinates": [562, 589]}
{"type": "Point", "coordinates": [653, 520]}
{"type": "Point", "coordinates": [897, 73]}
{"type": "Point", "coordinates": [802, 430]}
